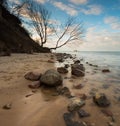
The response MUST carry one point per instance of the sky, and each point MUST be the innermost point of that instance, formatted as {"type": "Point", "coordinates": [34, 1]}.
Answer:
{"type": "Point", "coordinates": [101, 22]}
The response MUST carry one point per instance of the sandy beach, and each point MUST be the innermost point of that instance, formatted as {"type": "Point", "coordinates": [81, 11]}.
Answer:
{"type": "Point", "coordinates": [43, 107]}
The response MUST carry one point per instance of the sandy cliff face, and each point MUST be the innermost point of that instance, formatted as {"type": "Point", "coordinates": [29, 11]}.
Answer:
{"type": "Point", "coordinates": [15, 38]}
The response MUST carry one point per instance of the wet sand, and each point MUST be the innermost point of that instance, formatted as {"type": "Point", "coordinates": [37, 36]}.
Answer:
{"type": "Point", "coordinates": [42, 108]}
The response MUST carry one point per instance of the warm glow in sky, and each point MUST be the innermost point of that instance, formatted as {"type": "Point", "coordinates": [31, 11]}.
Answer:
{"type": "Point", "coordinates": [101, 19]}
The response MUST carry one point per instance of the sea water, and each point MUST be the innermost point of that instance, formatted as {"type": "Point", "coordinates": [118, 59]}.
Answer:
{"type": "Point", "coordinates": [104, 60]}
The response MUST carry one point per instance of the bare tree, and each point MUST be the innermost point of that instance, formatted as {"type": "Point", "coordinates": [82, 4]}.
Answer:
{"type": "Point", "coordinates": [40, 17]}
{"type": "Point", "coordinates": [71, 32]}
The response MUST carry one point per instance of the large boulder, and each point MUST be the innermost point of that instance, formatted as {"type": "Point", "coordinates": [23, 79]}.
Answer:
{"type": "Point", "coordinates": [51, 78]}
{"type": "Point", "coordinates": [78, 70]}
{"type": "Point", "coordinates": [101, 100]}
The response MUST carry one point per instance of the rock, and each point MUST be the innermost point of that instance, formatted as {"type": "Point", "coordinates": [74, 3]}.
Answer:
{"type": "Point", "coordinates": [93, 91]}
{"type": "Point", "coordinates": [75, 104]}
{"type": "Point", "coordinates": [67, 65]}
{"type": "Point", "coordinates": [69, 122]}
{"type": "Point", "coordinates": [28, 95]}
{"type": "Point", "coordinates": [82, 96]}
{"type": "Point", "coordinates": [64, 91]}
{"type": "Point", "coordinates": [105, 70]}
{"type": "Point", "coordinates": [110, 123]}
{"type": "Point", "coordinates": [50, 61]}
{"type": "Point", "coordinates": [78, 70]}
{"type": "Point", "coordinates": [83, 113]}
{"type": "Point", "coordinates": [76, 61]}
{"type": "Point", "coordinates": [95, 65]}
{"type": "Point", "coordinates": [68, 118]}
{"type": "Point", "coordinates": [51, 78]}
{"type": "Point", "coordinates": [60, 60]}
{"type": "Point", "coordinates": [79, 86]}
{"type": "Point", "coordinates": [105, 86]}
{"type": "Point", "coordinates": [62, 70]}
{"type": "Point", "coordinates": [33, 76]}
{"type": "Point", "coordinates": [90, 64]}
{"type": "Point", "coordinates": [101, 100]}
{"type": "Point", "coordinates": [34, 90]}
{"type": "Point", "coordinates": [34, 85]}
{"type": "Point", "coordinates": [7, 106]}
{"type": "Point", "coordinates": [107, 112]}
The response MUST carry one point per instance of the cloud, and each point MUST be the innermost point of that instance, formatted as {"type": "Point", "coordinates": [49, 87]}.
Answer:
{"type": "Point", "coordinates": [69, 10]}
{"type": "Point", "coordinates": [41, 1]}
{"type": "Point", "coordinates": [92, 9]}
{"type": "Point", "coordinates": [114, 22]}
{"type": "Point", "coordinates": [102, 40]}
{"type": "Point", "coordinates": [78, 1]}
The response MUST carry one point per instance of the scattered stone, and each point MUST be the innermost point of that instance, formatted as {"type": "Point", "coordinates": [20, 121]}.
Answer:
{"type": "Point", "coordinates": [33, 76]}
{"type": "Point", "coordinates": [112, 119]}
{"type": "Point", "coordinates": [76, 61]}
{"type": "Point", "coordinates": [82, 113]}
{"type": "Point", "coordinates": [7, 106]}
{"type": "Point", "coordinates": [34, 85]}
{"type": "Point", "coordinates": [82, 96]}
{"type": "Point", "coordinates": [67, 65]}
{"type": "Point", "coordinates": [69, 122]}
{"type": "Point", "coordinates": [52, 56]}
{"type": "Point", "coordinates": [93, 91]}
{"type": "Point", "coordinates": [110, 123]}
{"type": "Point", "coordinates": [51, 78]}
{"type": "Point", "coordinates": [105, 86]}
{"type": "Point", "coordinates": [105, 70]}
{"type": "Point", "coordinates": [66, 77]}
{"type": "Point", "coordinates": [107, 112]}
{"type": "Point", "coordinates": [79, 86]}
{"type": "Point", "coordinates": [60, 60]}
{"type": "Point", "coordinates": [90, 64]}
{"type": "Point", "coordinates": [64, 91]}
{"type": "Point", "coordinates": [78, 70]}
{"type": "Point", "coordinates": [28, 95]}
{"type": "Point", "coordinates": [62, 70]}
{"type": "Point", "coordinates": [101, 100]}
{"type": "Point", "coordinates": [95, 65]}
{"type": "Point", "coordinates": [68, 118]}
{"type": "Point", "coordinates": [76, 103]}
{"type": "Point", "coordinates": [34, 91]}
{"type": "Point", "coordinates": [50, 61]}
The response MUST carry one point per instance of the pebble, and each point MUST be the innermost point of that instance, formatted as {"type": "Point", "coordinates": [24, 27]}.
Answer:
{"type": "Point", "coordinates": [7, 106]}
{"type": "Point", "coordinates": [107, 112]}
{"type": "Point", "coordinates": [110, 124]}
{"type": "Point", "coordinates": [82, 113]}
{"type": "Point", "coordinates": [28, 95]}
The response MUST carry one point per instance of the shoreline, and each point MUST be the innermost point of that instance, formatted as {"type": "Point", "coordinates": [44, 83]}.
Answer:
{"type": "Point", "coordinates": [42, 108]}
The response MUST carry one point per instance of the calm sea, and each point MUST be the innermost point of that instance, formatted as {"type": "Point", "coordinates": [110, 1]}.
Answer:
{"type": "Point", "coordinates": [110, 60]}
